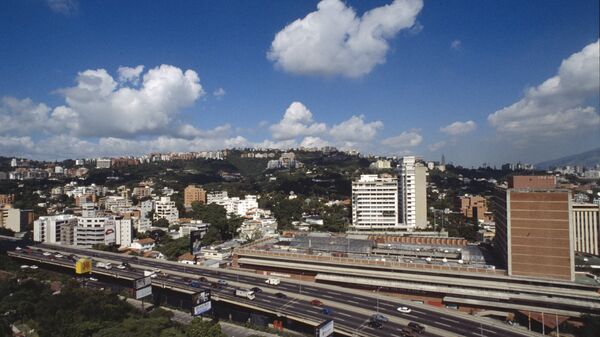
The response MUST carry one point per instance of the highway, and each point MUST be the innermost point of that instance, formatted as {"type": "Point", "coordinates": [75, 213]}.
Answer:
{"type": "Point", "coordinates": [351, 308]}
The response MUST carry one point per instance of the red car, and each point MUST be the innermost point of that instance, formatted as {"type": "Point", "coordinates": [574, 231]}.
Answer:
{"type": "Point", "coordinates": [316, 303]}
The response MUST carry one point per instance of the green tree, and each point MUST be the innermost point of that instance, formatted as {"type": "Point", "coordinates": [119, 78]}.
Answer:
{"type": "Point", "coordinates": [174, 248]}
{"type": "Point", "coordinates": [200, 328]}
{"type": "Point", "coordinates": [286, 211]}
{"type": "Point", "coordinates": [162, 222]}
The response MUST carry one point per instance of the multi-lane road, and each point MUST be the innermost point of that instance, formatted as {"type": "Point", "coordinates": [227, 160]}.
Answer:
{"type": "Point", "coordinates": [351, 308]}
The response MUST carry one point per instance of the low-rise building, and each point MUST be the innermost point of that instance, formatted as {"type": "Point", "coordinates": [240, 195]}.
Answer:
{"type": "Point", "coordinates": [47, 229]}
{"type": "Point", "coordinates": [166, 209]}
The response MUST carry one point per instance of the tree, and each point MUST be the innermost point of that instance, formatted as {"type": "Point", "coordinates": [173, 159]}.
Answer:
{"type": "Point", "coordinates": [286, 211]}
{"type": "Point", "coordinates": [200, 328]}
{"type": "Point", "coordinates": [221, 228]}
{"type": "Point", "coordinates": [162, 222]}
{"type": "Point", "coordinates": [172, 249]}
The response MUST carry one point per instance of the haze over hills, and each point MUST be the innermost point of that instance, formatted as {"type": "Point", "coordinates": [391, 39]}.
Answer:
{"type": "Point", "coordinates": [586, 159]}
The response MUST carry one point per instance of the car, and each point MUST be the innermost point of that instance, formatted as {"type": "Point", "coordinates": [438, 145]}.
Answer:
{"type": "Point", "coordinates": [416, 327]}
{"type": "Point", "coordinates": [33, 266]}
{"type": "Point", "coordinates": [256, 290]}
{"type": "Point", "coordinates": [58, 255]}
{"type": "Point", "coordinates": [379, 317]}
{"type": "Point", "coordinates": [316, 303]}
{"type": "Point", "coordinates": [186, 280]}
{"type": "Point", "coordinates": [375, 324]}
{"type": "Point", "coordinates": [405, 332]}
{"type": "Point", "coordinates": [203, 279]}
{"type": "Point", "coordinates": [281, 295]}
{"type": "Point", "coordinates": [216, 285]}
{"type": "Point", "coordinates": [222, 282]}
{"type": "Point", "coordinates": [18, 248]}
{"type": "Point", "coordinates": [93, 279]}
{"type": "Point", "coordinates": [405, 310]}
{"type": "Point", "coordinates": [46, 253]}
{"type": "Point", "coordinates": [326, 311]}
{"type": "Point", "coordinates": [24, 266]}
{"type": "Point", "coordinates": [121, 266]}
{"type": "Point", "coordinates": [194, 284]}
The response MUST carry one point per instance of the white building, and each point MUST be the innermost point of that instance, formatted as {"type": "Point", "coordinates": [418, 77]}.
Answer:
{"type": "Point", "coordinates": [233, 205]}
{"type": "Point", "coordinates": [93, 231]}
{"type": "Point", "coordinates": [165, 208]}
{"type": "Point", "coordinates": [381, 164]}
{"type": "Point", "coordinates": [46, 229]}
{"type": "Point", "coordinates": [124, 232]}
{"type": "Point", "coordinates": [586, 221]}
{"type": "Point", "coordinates": [412, 184]}
{"type": "Point", "coordinates": [216, 197]}
{"type": "Point", "coordinates": [375, 202]}
{"type": "Point", "coordinates": [116, 203]}
{"type": "Point", "coordinates": [102, 163]}
{"type": "Point", "coordinates": [194, 225]}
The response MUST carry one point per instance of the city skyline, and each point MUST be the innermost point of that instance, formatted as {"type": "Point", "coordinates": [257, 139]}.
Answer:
{"type": "Point", "coordinates": [480, 82]}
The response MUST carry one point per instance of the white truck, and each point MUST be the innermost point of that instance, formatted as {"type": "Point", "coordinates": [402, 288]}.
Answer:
{"type": "Point", "coordinates": [273, 281]}
{"type": "Point", "coordinates": [105, 265]}
{"type": "Point", "coordinates": [246, 293]}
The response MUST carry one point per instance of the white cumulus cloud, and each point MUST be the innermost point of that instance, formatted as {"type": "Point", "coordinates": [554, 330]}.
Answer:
{"type": "Point", "coordinates": [313, 142]}
{"type": "Point", "coordinates": [97, 106]}
{"type": "Point", "coordinates": [219, 93]}
{"type": "Point", "coordinates": [333, 40]}
{"type": "Point", "coordinates": [404, 140]}
{"type": "Point", "coordinates": [355, 130]}
{"type": "Point", "coordinates": [459, 128]}
{"type": "Point", "coordinates": [558, 105]}
{"type": "Point", "coordinates": [128, 74]}
{"type": "Point", "coordinates": [297, 121]}
{"type": "Point", "coordinates": [22, 116]}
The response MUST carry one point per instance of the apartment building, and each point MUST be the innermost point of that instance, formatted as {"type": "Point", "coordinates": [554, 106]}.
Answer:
{"type": "Point", "coordinates": [193, 193]}
{"type": "Point", "coordinates": [474, 207]}
{"type": "Point", "coordinates": [412, 184]}
{"type": "Point", "coordinates": [94, 230]}
{"type": "Point", "coordinates": [375, 202]}
{"type": "Point", "coordinates": [15, 219]}
{"type": "Point", "coordinates": [534, 231]}
{"type": "Point", "coordinates": [586, 222]}
{"type": "Point", "coordinates": [47, 229]}
{"type": "Point", "coordinates": [165, 208]}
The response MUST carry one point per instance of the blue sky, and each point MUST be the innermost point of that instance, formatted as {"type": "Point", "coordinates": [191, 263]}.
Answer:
{"type": "Point", "coordinates": [463, 78]}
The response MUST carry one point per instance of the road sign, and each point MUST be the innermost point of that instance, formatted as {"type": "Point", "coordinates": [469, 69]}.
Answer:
{"type": "Point", "coordinates": [83, 266]}
{"type": "Point", "coordinates": [324, 329]}
{"type": "Point", "coordinates": [143, 292]}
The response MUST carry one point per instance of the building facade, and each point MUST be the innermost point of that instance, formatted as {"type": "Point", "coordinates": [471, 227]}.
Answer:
{"type": "Point", "coordinates": [534, 232]}
{"type": "Point", "coordinates": [165, 208]}
{"type": "Point", "coordinates": [193, 193]}
{"type": "Point", "coordinates": [586, 221]}
{"type": "Point", "coordinates": [47, 229]}
{"type": "Point", "coordinates": [412, 184]}
{"type": "Point", "coordinates": [375, 202]}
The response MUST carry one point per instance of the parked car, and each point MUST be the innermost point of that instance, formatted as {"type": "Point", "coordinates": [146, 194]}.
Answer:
{"type": "Point", "coordinates": [405, 310]}
{"type": "Point", "coordinates": [316, 303]}
{"type": "Point", "coordinates": [281, 295]}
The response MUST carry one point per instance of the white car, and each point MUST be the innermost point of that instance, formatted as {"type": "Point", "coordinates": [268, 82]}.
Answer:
{"type": "Point", "coordinates": [47, 254]}
{"type": "Point", "coordinates": [33, 266]}
{"type": "Point", "coordinates": [405, 310]}
{"type": "Point", "coordinates": [93, 279]}
{"type": "Point", "coordinates": [59, 255]}
{"type": "Point", "coordinates": [18, 248]}
{"type": "Point", "coordinates": [24, 266]}
{"type": "Point", "coordinates": [121, 266]}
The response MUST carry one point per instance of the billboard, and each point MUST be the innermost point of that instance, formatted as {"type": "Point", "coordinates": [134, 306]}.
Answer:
{"type": "Point", "coordinates": [83, 266]}
{"type": "Point", "coordinates": [143, 292]}
{"type": "Point", "coordinates": [195, 242]}
{"type": "Point", "coordinates": [201, 308]}
{"type": "Point", "coordinates": [110, 236]}
{"type": "Point", "coordinates": [142, 282]}
{"type": "Point", "coordinates": [324, 329]}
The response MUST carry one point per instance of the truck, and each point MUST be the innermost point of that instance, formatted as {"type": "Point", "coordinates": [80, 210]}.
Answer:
{"type": "Point", "coordinates": [273, 281]}
{"type": "Point", "coordinates": [105, 265]}
{"type": "Point", "coordinates": [246, 293]}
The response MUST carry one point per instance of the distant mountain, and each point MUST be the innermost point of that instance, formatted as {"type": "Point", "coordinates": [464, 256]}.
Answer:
{"type": "Point", "coordinates": [587, 159]}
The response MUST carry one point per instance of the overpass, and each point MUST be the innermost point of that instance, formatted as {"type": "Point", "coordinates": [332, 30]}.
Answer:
{"type": "Point", "coordinates": [352, 308]}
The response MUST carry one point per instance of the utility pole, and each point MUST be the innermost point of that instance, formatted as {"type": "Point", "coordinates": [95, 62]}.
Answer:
{"type": "Point", "coordinates": [557, 327]}
{"type": "Point", "coordinates": [543, 325]}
